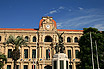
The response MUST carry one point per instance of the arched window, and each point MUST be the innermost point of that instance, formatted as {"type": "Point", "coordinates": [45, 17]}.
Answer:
{"type": "Point", "coordinates": [48, 39]}
{"type": "Point", "coordinates": [0, 38]}
{"type": "Point", "coordinates": [26, 38]}
{"type": "Point", "coordinates": [75, 39]}
{"type": "Point", "coordinates": [68, 39]}
{"type": "Point", "coordinates": [18, 36]}
{"type": "Point", "coordinates": [34, 39]}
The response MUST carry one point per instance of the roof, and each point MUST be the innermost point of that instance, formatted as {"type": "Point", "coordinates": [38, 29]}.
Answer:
{"type": "Point", "coordinates": [37, 29]}
{"type": "Point", "coordinates": [70, 30]}
{"type": "Point", "coordinates": [18, 29]}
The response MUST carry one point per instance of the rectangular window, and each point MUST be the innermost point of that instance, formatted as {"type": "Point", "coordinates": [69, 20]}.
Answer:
{"type": "Point", "coordinates": [17, 66]}
{"type": "Point", "coordinates": [32, 66]}
{"type": "Point", "coordinates": [55, 64]}
{"type": "Point", "coordinates": [61, 64]}
{"type": "Point", "coordinates": [9, 53]}
{"type": "Point", "coordinates": [70, 66]}
{"type": "Point", "coordinates": [26, 53]}
{"type": "Point", "coordinates": [25, 66]}
{"type": "Point", "coordinates": [69, 53]}
{"type": "Point", "coordinates": [76, 53]}
{"type": "Point", "coordinates": [8, 66]}
{"type": "Point", "coordinates": [66, 64]}
{"type": "Point", "coordinates": [47, 53]}
{"type": "Point", "coordinates": [34, 53]}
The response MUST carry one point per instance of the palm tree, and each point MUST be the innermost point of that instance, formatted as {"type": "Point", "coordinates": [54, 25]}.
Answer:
{"type": "Point", "coordinates": [2, 59]}
{"type": "Point", "coordinates": [17, 42]}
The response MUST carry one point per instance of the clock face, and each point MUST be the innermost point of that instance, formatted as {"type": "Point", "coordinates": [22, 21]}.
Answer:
{"type": "Point", "coordinates": [48, 26]}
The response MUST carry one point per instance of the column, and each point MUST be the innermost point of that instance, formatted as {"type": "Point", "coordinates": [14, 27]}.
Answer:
{"type": "Point", "coordinates": [58, 64]}
{"type": "Point", "coordinates": [72, 40]}
{"type": "Point", "coordinates": [40, 52]}
{"type": "Point", "coordinates": [43, 52]}
{"type": "Point", "coordinates": [74, 65]}
{"type": "Point", "coordinates": [21, 65]}
{"type": "Point", "coordinates": [42, 38]}
{"type": "Point", "coordinates": [30, 51]}
{"type": "Point", "coordinates": [73, 50]}
{"type": "Point", "coordinates": [1, 49]}
{"type": "Point", "coordinates": [66, 51]}
{"type": "Point", "coordinates": [30, 39]}
{"type": "Point", "coordinates": [5, 50]}
{"type": "Point", "coordinates": [12, 65]}
{"type": "Point", "coordinates": [22, 54]}
{"type": "Point", "coordinates": [43, 66]}
{"type": "Point", "coordinates": [29, 65]}
{"type": "Point", "coordinates": [40, 66]}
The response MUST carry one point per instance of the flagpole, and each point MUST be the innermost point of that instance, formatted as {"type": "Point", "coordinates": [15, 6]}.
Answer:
{"type": "Point", "coordinates": [92, 50]}
{"type": "Point", "coordinates": [97, 55]}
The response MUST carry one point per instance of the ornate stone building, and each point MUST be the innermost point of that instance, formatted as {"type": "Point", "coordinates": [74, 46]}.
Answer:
{"type": "Point", "coordinates": [41, 43]}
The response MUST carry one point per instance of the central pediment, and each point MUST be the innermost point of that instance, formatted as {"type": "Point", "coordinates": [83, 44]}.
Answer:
{"type": "Point", "coordinates": [47, 23]}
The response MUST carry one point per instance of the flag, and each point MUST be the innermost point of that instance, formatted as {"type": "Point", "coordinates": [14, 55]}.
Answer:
{"type": "Point", "coordinates": [49, 52]}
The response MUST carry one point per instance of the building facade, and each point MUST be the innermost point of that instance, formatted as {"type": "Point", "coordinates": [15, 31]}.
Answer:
{"type": "Point", "coordinates": [40, 45]}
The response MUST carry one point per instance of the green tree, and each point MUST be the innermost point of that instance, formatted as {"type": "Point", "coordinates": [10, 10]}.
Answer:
{"type": "Point", "coordinates": [17, 42]}
{"type": "Point", "coordinates": [2, 59]}
{"type": "Point", "coordinates": [85, 54]}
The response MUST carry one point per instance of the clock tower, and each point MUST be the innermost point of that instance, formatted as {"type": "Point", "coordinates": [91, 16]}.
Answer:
{"type": "Point", "coordinates": [47, 23]}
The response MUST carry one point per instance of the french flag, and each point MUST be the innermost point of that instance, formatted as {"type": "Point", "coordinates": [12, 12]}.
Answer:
{"type": "Point", "coordinates": [49, 52]}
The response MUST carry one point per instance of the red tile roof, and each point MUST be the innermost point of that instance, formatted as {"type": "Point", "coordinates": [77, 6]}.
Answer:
{"type": "Point", "coordinates": [17, 29]}
{"type": "Point", "coordinates": [70, 30]}
{"type": "Point", "coordinates": [37, 30]}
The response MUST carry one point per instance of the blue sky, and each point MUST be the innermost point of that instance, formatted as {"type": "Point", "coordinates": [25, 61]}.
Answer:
{"type": "Point", "coordinates": [68, 14]}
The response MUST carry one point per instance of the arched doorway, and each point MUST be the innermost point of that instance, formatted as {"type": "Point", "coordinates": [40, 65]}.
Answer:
{"type": "Point", "coordinates": [48, 67]}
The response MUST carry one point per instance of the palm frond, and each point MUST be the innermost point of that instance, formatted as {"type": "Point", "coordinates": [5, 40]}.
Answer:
{"type": "Point", "coordinates": [3, 57]}
{"type": "Point", "coordinates": [20, 41]}
{"type": "Point", "coordinates": [10, 40]}
{"type": "Point", "coordinates": [17, 40]}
